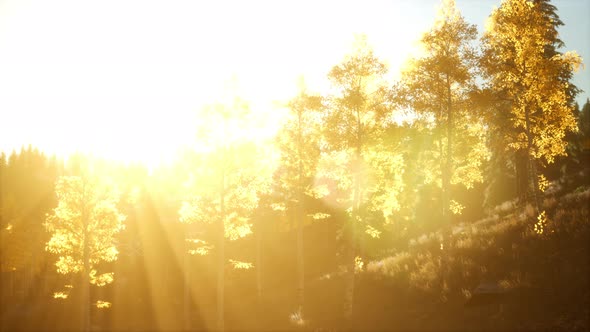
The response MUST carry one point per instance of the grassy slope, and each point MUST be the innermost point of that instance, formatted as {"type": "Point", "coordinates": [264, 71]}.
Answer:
{"type": "Point", "coordinates": [547, 275]}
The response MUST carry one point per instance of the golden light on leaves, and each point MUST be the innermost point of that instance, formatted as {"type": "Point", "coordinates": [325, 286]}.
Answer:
{"type": "Point", "coordinates": [278, 207]}
{"type": "Point", "coordinates": [541, 222]}
{"type": "Point", "coordinates": [9, 228]}
{"type": "Point", "coordinates": [238, 229]}
{"type": "Point", "coordinates": [358, 264]}
{"type": "Point", "coordinates": [543, 183]}
{"type": "Point", "coordinates": [203, 247]}
{"type": "Point", "coordinates": [456, 207]}
{"type": "Point", "coordinates": [374, 233]}
{"type": "Point", "coordinates": [60, 295]}
{"type": "Point", "coordinates": [241, 265]}
{"type": "Point", "coordinates": [103, 304]}
{"type": "Point", "coordinates": [319, 191]}
{"type": "Point", "coordinates": [319, 216]}
{"type": "Point", "coordinates": [202, 251]}
{"type": "Point", "coordinates": [297, 318]}
{"type": "Point", "coordinates": [515, 48]}
{"type": "Point", "coordinates": [102, 279]}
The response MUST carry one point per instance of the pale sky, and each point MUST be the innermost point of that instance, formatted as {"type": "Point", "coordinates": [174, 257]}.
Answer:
{"type": "Point", "coordinates": [125, 79]}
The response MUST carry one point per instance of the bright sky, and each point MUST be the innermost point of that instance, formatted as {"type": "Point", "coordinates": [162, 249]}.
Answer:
{"type": "Point", "coordinates": [125, 79]}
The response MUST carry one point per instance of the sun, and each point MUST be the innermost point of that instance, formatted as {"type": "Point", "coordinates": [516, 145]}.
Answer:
{"type": "Point", "coordinates": [132, 90]}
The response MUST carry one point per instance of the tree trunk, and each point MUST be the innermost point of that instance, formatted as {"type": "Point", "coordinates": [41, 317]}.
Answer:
{"type": "Point", "coordinates": [259, 264]}
{"type": "Point", "coordinates": [521, 163]}
{"type": "Point", "coordinates": [221, 261]}
{"type": "Point", "coordinates": [447, 173]}
{"type": "Point", "coordinates": [300, 260]}
{"type": "Point", "coordinates": [221, 280]}
{"type": "Point", "coordinates": [350, 271]}
{"type": "Point", "coordinates": [186, 293]}
{"type": "Point", "coordinates": [300, 251]}
{"type": "Point", "coordinates": [86, 286]}
{"type": "Point", "coordinates": [349, 281]}
{"type": "Point", "coordinates": [533, 180]}
{"type": "Point", "coordinates": [448, 167]}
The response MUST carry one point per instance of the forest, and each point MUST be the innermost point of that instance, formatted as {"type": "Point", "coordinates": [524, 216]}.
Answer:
{"type": "Point", "coordinates": [455, 198]}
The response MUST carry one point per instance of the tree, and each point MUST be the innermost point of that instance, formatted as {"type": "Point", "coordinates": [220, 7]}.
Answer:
{"type": "Point", "coordinates": [224, 186]}
{"type": "Point", "coordinates": [83, 226]}
{"type": "Point", "coordinates": [437, 86]}
{"type": "Point", "coordinates": [584, 121]}
{"type": "Point", "coordinates": [366, 172]}
{"type": "Point", "coordinates": [26, 194]}
{"type": "Point", "coordinates": [525, 69]}
{"type": "Point", "coordinates": [298, 142]}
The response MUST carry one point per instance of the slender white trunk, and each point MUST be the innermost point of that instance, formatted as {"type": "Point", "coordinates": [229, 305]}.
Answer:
{"type": "Point", "coordinates": [86, 287]}
{"type": "Point", "coordinates": [221, 259]}
{"type": "Point", "coordinates": [533, 180]}
{"type": "Point", "coordinates": [186, 295]}
{"type": "Point", "coordinates": [300, 251]}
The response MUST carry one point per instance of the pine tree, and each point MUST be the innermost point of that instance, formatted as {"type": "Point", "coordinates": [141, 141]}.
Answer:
{"type": "Point", "coordinates": [584, 122]}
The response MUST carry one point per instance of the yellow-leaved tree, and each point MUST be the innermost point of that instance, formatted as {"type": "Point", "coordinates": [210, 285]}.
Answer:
{"type": "Point", "coordinates": [437, 86]}
{"type": "Point", "coordinates": [364, 169]}
{"type": "Point", "coordinates": [83, 227]}
{"type": "Point", "coordinates": [526, 70]}
{"type": "Point", "coordinates": [299, 145]}
{"type": "Point", "coordinates": [224, 186]}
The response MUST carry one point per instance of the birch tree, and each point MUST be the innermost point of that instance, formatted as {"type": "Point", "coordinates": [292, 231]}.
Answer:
{"type": "Point", "coordinates": [525, 69]}
{"type": "Point", "coordinates": [224, 187]}
{"type": "Point", "coordinates": [83, 226]}
{"type": "Point", "coordinates": [437, 86]}
{"type": "Point", "coordinates": [366, 172]}
{"type": "Point", "coordinates": [298, 143]}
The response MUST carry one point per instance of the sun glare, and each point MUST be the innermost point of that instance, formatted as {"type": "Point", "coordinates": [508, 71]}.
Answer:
{"type": "Point", "coordinates": [284, 165]}
{"type": "Point", "coordinates": [126, 80]}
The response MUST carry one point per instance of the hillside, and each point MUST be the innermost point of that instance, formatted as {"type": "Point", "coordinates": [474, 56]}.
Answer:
{"type": "Point", "coordinates": [499, 274]}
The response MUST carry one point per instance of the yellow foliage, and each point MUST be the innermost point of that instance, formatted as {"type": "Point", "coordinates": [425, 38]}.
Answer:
{"type": "Point", "coordinates": [202, 251]}
{"type": "Point", "coordinates": [241, 265]}
{"type": "Point", "coordinates": [517, 64]}
{"type": "Point", "coordinates": [203, 248]}
{"type": "Point", "coordinates": [86, 217]}
{"type": "Point", "coordinates": [103, 304]}
{"type": "Point", "coordinates": [319, 191]}
{"type": "Point", "coordinates": [541, 222]}
{"type": "Point", "coordinates": [297, 318]}
{"type": "Point", "coordinates": [319, 215]}
{"type": "Point", "coordinates": [456, 207]}
{"type": "Point", "coordinates": [358, 264]}
{"type": "Point", "coordinates": [374, 233]}
{"type": "Point", "coordinates": [60, 295]}
{"type": "Point", "coordinates": [278, 207]}
{"type": "Point", "coordinates": [543, 183]}
{"type": "Point", "coordinates": [102, 279]}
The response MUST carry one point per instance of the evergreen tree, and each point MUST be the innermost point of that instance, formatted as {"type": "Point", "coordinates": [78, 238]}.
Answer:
{"type": "Point", "coordinates": [584, 121]}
